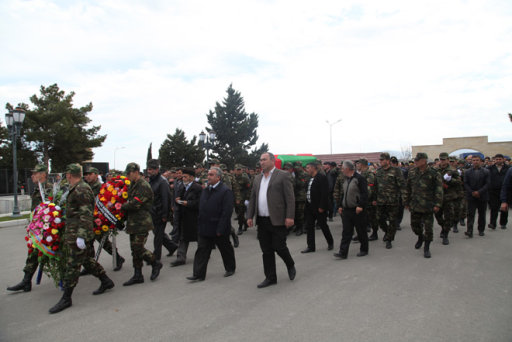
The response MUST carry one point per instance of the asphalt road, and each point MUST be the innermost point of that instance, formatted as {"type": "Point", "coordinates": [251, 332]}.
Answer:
{"type": "Point", "coordinates": [463, 293]}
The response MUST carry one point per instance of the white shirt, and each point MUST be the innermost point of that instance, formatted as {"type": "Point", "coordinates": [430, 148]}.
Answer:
{"type": "Point", "coordinates": [262, 195]}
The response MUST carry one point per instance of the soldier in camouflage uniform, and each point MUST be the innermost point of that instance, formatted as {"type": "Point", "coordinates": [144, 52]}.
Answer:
{"type": "Point", "coordinates": [299, 191]}
{"type": "Point", "coordinates": [390, 185]}
{"type": "Point", "coordinates": [79, 230]}
{"type": "Point", "coordinates": [39, 176]}
{"type": "Point", "coordinates": [244, 185]}
{"type": "Point", "coordinates": [91, 177]}
{"type": "Point", "coordinates": [448, 216]}
{"type": "Point", "coordinates": [338, 189]}
{"type": "Point", "coordinates": [463, 208]}
{"type": "Point", "coordinates": [423, 196]}
{"type": "Point", "coordinates": [138, 223]}
{"type": "Point", "coordinates": [201, 175]}
{"type": "Point", "coordinates": [371, 210]}
{"type": "Point", "coordinates": [460, 193]}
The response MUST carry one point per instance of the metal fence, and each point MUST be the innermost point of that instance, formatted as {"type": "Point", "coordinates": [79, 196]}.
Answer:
{"type": "Point", "coordinates": [24, 182]}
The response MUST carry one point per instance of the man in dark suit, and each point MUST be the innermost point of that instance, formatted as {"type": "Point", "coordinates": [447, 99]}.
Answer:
{"type": "Point", "coordinates": [273, 203]}
{"type": "Point", "coordinates": [188, 209]}
{"type": "Point", "coordinates": [215, 208]}
{"type": "Point", "coordinates": [317, 205]}
{"type": "Point", "coordinates": [476, 185]}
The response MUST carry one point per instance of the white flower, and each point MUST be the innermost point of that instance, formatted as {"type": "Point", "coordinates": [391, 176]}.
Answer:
{"type": "Point", "coordinates": [49, 239]}
{"type": "Point", "coordinates": [57, 208]}
{"type": "Point", "coordinates": [57, 220]}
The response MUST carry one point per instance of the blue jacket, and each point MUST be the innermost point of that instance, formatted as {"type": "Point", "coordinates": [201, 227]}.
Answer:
{"type": "Point", "coordinates": [215, 210]}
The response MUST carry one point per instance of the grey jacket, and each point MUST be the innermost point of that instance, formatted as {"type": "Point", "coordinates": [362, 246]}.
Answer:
{"type": "Point", "coordinates": [355, 192]}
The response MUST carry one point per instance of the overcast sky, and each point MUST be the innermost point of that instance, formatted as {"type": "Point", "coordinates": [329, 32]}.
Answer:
{"type": "Point", "coordinates": [396, 72]}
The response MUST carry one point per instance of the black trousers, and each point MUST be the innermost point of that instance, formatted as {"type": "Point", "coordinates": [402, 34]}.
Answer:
{"type": "Point", "coordinates": [272, 240]}
{"type": "Point", "coordinates": [351, 220]}
{"type": "Point", "coordinates": [205, 245]}
{"type": "Point", "coordinates": [494, 205]}
{"type": "Point", "coordinates": [313, 216]}
{"type": "Point", "coordinates": [473, 206]}
{"type": "Point", "coordinates": [161, 239]}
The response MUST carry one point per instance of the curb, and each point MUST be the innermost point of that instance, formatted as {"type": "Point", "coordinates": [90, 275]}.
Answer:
{"type": "Point", "coordinates": [14, 223]}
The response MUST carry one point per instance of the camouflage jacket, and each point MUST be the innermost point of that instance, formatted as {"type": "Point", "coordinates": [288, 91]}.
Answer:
{"type": "Point", "coordinates": [137, 207]}
{"type": "Point", "coordinates": [202, 179]}
{"type": "Point", "coordinates": [338, 189]}
{"type": "Point", "coordinates": [424, 190]}
{"type": "Point", "coordinates": [226, 179]}
{"type": "Point", "coordinates": [244, 188]}
{"type": "Point", "coordinates": [96, 187]}
{"type": "Point", "coordinates": [390, 185]}
{"type": "Point", "coordinates": [370, 180]}
{"type": "Point", "coordinates": [79, 213]}
{"type": "Point", "coordinates": [36, 195]}
{"type": "Point", "coordinates": [452, 189]}
{"type": "Point", "coordinates": [299, 186]}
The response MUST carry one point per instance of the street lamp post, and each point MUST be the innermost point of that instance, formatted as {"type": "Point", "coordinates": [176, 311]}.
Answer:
{"type": "Point", "coordinates": [14, 120]}
{"type": "Point", "coordinates": [207, 142]}
{"type": "Point", "coordinates": [115, 150]}
{"type": "Point", "coordinates": [330, 130]}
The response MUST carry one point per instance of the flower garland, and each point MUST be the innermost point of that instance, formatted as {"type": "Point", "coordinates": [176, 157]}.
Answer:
{"type": "Point", "coordinates": [45, 230]}
{"type": "Point", "coordinates": [112, 196]}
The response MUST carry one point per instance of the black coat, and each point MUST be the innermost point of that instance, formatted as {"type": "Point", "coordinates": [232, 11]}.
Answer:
{"type": "Point", "coordinates": [215, 209]}
{"type": "Point", "coordinates": [188, 214]}
{"type": "Point", "coordinates": [477, 180]}
{"type": "Point", "coordinates": [497, 178]}
{"type": "Point", "coordinates": [161, 199]}
{"type": "Point", "coordinates": [319, 193]}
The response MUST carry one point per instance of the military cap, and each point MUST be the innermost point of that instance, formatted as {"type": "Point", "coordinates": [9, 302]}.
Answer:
{"type": "Point", "coordinates": [287, 166]}
{"type": "Point", "coordinates": [363, 161]}
{"type": "Point", "coordinates": [223, 167]}
{"type": "Point", "coordinates": [393, 159]}
{"type": "Point", "coordinates": [297, 163]}
{"type": "Point", "coordinates": [131, 167]}
{"type": "Point", "coordinates": [385, 155]}
{"type": "Point", "coordinates": [238, 166]}
{"type": "Point", "coordinates": [173, 169]}
{"type": "Point", "coordinates": [452, 158]}
{"type": "Point", "coordinates": [443, 155]}
{"type": "Point", "coordinates": [40, 168]}
{"type": "Point", "coordinates": [199, 166]}
{"type": "Point", "coordinates": [74, 169]}
{"type": "Point", "coordinates": [92, 170]}
{"type": "Point", "coordinates": [214, 161]}
{"type": "Point", "coordinates": [153, 164]}
{"type": "Point", "coordinates": [420, 155]}
{"type": "Point", "coordinates": [333, 164]}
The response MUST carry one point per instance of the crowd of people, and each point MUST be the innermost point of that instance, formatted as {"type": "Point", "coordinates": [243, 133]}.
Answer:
{"type": "Point", "coordinates": [197, 203]}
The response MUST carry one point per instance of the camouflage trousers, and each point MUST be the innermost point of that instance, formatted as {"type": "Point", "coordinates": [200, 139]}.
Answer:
{"type": "Point", "coordinates": [372, 218]}
{"type": "Point", "coordinates": [463, 208]}
{"type": "Point", "coordinates": [240, 214]}
{"type": "Point", "coordinates": [448, 215]}
{"type": "Point", "coordinates": [107, 246]}
{"type": "Point", "coordinates": [32, 261]}
{"type": "Point", "coordinates": [423, 224]}
{"type": "Point", "coordinates": [387, 217]}
{"type": "Point", "coordinates": [139, 252]}
{"type": "Point", "coordinates": [299, 213]}
{"type": "Point", "coordinates": [79, 257]}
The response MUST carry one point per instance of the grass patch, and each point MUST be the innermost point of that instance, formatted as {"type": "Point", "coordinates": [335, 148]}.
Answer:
{"type": "Point", "coordinates": [8, 218]}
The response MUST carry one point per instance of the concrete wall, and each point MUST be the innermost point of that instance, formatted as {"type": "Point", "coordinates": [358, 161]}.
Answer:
{"type": "Point", "coordinates": [7, 203]}
{"type": "Point", "coordinates": [481, 144]}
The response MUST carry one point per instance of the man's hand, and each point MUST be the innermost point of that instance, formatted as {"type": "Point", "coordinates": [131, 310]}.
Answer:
{"type": "Point", "coordinates": [237, 202]}
{"type": "Point", "coordinates": [504, 207]}
{"type": "Point", "coordinates": [340, 210]}
{"type": "Point", "coordinates": [436, 209]}
{"type": "Point", "coordinates": [475, 194]}
{"type": "Point", "coordinates": [374, 203]}
{"type": "Point", "coordinates": [359, 210]}
{"type": "Point", "coordinates": [249, 222]}
{"type": "Point", "coordinates": [80, 243]}
{"type": "Point", "coordinates": [320, 210]}
{"type": "Point", "coordinates": [177, 199]}
{"type": "Point", "coordinates": [288, 222]}
{"type": "Point", "coordinates": [164, 219]}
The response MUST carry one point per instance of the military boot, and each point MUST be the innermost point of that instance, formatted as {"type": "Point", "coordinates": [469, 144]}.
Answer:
{"type": "Point", "coordinates": [419, 243]}
{"type": "Point", "coordinates": [25, 284]}
{"type": "Point", "coordinates": [155, 269]}
{"type": "Point", "coordinates": [374, 236]}
{"type": "Point", "coordinates": [445, 238]}
{"type": "Point", "coordinates": [119, 262]}
{"type": "Point", "coordinates": [137, 278]}
{"type": "Point", "coordinates": [240, 230]}
{"type": "Point", "coordinates": [426, 250]}
{"type": "Point", "coordinates": [106, 284]}
{"type": "Point", "coordinates": [64, 302]}
{"type": "Point", "coordinates": [455, 228]}
{"type": "Point", "coordinates": [84, 272]}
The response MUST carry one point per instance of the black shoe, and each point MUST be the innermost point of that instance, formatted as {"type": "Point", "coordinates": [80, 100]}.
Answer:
{"type": "Point", "coordinates": [388, 244]}
{"type": "Point", "coordinates": [106, 284]}
{"type": "Point", "coordinates": [25, 284]}
{"type": "Point", "coordinates": [64, 302]}
{"type": "Point", "coordinates": [340, 256]}
{"type": "Point", "coordinates": [299, 232]}
{"type": "Point", "coordinates": [292, 272]}
{"type": "Point", "coordinates": [155, 270]}
{"type": "Point", "coordinates": [137, 278]}
{"type": "Point", "coordinates": [330, 219]}
{"type": "Point", "coordinates": [503, 227]}
{"type": "Point", "coordinates": [373, 237]}
{"type": "Point", "coordinates": [307, 250]}
{"type": "Point", "coordinates": [266, 283]}
{"type": "Point", "coordinates": [174, 249]}
{"type": "Point", "coordinates": [462, 223]}
{"type": "Point", "coordinates": [330, 247]}
{"type": "Point", "coordinates": [355, 239]}
{"type": "Point", "coordinates": [361, 254]}
{"type": "Point", "coordinates": [445, 240]}
{"type": "Point", "coordinates": [195, 278]}
{"type": "Point", "coordinates": [119, 262]}
{"type": "Point", "coordinates": [229, 273]}
{"type": "Point", "coordinates": [84, 272]}
{"type": "Point", "coordinates": [398, 227]}
{"type": "Point", "coordinates": [236, 242]}
{"type": "Point", "coordinates": [419, 243]}
{"type": "Point", "coordinates": [492, 226]}
{"type": "Point", "coordinates": [426, 250]}
{"type": "Point", "coordinates": [240, 231]}
{"type": "Point", "coordinates": [468, 234]}
{"type": "Point", "coordinates": [481, 233]}
{"type": "Point", "coordinates": [455, 229]}
{"type": "Point", "coordinates": [177, 263]}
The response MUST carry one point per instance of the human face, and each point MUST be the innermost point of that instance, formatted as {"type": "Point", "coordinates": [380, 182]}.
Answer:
{"type": "Point", "coordinates": [421, 163]}
{"type": "Point", "coordinates": [213, 178]}
{"type": "Point", "coordinates": [384, 163]}
{"type": "Point", "coordinates": [347, 172]}
{"type": "Point", "coordinates": [311, 170]}
{"type": "Point", "coordinates": [152, 172]}
{"type": "Point", "coordinates": [498, 161]}
{"type": "Point", "coordinates": [238, 172]}
{"type": "Point", "coordinates": [359, 166]}
{"type": "Point", "coordinates": [266, 163]}
{"type": "Point", "coordinates": [179, 174]}
{"type": "Point", "coordinates": [476, 161]}
{"type": "Point", "coordinates": [187, 178]}
{"type": "Point", "coordinates": [133, 176]}
{"type": "Point", "coordinates": [443, 163]}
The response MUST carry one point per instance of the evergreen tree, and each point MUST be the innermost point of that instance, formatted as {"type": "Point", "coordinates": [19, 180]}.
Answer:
{"type": "Point", "coordinates": [58, 131]}
{"type": "Point", "coordinates": [150, 154]}
{"type": "Point", "coordinates": [235, 130]}
{"type": "Point", "coordinates": [177, 151]}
